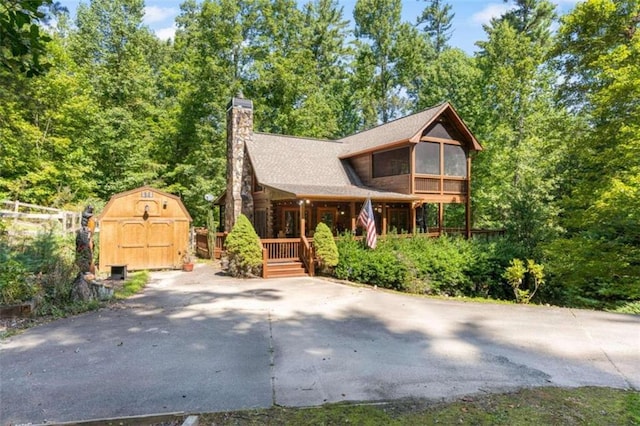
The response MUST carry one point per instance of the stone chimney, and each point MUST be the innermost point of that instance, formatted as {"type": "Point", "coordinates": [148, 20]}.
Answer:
{"type": "Point", "coordinates": [239, 173]}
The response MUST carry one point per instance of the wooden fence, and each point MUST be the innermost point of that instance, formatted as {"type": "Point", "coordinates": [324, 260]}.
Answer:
{"type": "Point", "coordinates": [29, 219]}
{"type": "Point", "coordinates": [202, 244]}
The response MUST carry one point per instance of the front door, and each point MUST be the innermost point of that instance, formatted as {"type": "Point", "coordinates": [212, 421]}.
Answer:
{"type": "Point", "coordinates": [291, 222]}
{"type": "Point", "coordinates": [327, 215]}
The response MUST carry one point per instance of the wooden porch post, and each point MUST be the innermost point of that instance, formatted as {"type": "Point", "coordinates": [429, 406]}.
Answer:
{"type": "Point", "coordinates": [352, 207]}
{"type": "Point", "coordinates": [302, 220]}
{"type": "Point", "coordinates": [384, 219]}
{"type": "Point", "coordinates": [440, 217]}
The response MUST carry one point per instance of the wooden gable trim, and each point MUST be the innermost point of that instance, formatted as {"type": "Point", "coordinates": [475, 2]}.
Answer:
{"type": "Point", "coordinates": [378, 148]}
{"type": "Point", "coordinates": [416, 138]}
{"type": "Point", "coordinates": [115, 197]}
{"type": "Point", "coordinates": [447, 108]}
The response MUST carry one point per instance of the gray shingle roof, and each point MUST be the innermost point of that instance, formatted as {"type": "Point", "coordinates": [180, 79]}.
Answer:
{"type": "Point", "coordinates": [313, 167]}
{"type": "Point", "coordinates": [308, 167]}
{"type": "Point", "coordinates": [394, 131]}
{"type": "Point", "coordinates": [345, 191]}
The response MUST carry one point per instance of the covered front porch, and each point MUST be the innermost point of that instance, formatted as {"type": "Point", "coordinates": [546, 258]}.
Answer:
{"type": "Point", "coordinates": [293, 218]}
{"type": "Point", "coordinates": [286, 225]}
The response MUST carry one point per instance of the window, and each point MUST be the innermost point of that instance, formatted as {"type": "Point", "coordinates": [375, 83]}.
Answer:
{"type": "Point", "coordinates": [455, 161]}
{"type": "Point", "coordinates": [398, 220]}
{"type": "Point", "coordinates": [327, 215]}
{"type": "Point", "coordinates": [428, 158]}
{"type": "Point", "coordinates": [391, 163]}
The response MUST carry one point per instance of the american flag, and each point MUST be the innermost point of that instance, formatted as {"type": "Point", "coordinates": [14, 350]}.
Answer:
{"type": "Point", "coordinates": [365, 218]}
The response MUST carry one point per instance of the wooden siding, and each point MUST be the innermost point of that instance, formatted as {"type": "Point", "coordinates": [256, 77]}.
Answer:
{"type": "Point", "coordinates": [144, 229]}
{"type": "Point", "coordinates": [400, 183]}
{"type": "Point", "coordinates": [362, 166]}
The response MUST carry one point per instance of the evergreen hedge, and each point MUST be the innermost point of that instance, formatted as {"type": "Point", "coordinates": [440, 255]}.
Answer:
{"type": "Point", "coordinates": [450, 266]}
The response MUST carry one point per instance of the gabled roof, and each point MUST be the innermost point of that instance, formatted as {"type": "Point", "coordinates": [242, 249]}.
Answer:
{"type": "Point", "coordinates": [405, 129]}
{"type": "Point", "coordinates": [119, 195]}
{"type": "Point", "coordinates": [306, 167]}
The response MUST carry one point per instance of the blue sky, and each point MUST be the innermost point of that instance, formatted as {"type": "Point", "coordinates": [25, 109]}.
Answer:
{"type": "Point", "coordinates": [470, 15]}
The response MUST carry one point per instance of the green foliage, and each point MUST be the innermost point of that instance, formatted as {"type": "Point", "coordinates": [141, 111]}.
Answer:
{"type": "Point", "coordinates": [597, 51]}
{"type": "Point", "coordinates": [15, 287]}
{"type": "Point", "coordinates": [42, 265]}
{"type": "Point", "coordinates": [536, 406]}
{"type": "Point", "coordinates": [243, 249]}
{"type": "Point", "coordinates": [593, 273]}
{"type": "Point", "coordinates": [212, 228]}
{"type": "Point", "coordinates": [22, 38]}
{"type": "Point", "coordinates": [376, 267]}
{"type": "Point", "coordinates": [326, 250]}
{"type": "Point", "coordinates": [388, 52]}
{"type": "Point", "coordinates": [522, 130]}
{"type": "Point", "coordinates": [437, 17]}
{"type": "Point", "coordinates": [517, 274]}
{"type": "Point", "coordinates": [442, 266]}
{"type": "Point", "coordinates": [133, 285]}
{"type": "Point", "coordinates": [628, 308]}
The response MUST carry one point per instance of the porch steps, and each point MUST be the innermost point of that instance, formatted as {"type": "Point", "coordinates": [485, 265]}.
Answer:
{"type": "Point", "coordinates": [286, 269]}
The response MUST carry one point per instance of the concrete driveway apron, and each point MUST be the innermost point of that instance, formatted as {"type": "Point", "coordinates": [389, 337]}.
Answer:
{"type": "Point", "coordinates": [200, 341]}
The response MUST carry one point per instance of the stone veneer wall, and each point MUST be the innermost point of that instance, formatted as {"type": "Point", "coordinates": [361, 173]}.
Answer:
{"type": "Point", "coordinates": [239, 174]}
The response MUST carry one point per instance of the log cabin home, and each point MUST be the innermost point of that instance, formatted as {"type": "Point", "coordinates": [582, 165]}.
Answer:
{"type": "Point", "coordinates": [415, 170]}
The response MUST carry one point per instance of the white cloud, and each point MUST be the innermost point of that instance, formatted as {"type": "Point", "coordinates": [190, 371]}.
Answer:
{"type": "Point", "coordinates": [492, 10]}
{"type": "Point", "coordinates": [569, 2]}
{"type": "Point", "coordinates": [166, 33]}
{"type": "Point", "coordinates": [154, 14]}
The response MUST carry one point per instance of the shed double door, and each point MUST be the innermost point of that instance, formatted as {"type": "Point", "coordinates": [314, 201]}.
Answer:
{"type": "Point", "coordinates": [147, 244]}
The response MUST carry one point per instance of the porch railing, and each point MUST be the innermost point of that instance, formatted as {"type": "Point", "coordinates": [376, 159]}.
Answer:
{"type": "Point", "coordinates": [294, 249]}
{"type": "Point", "coordinates": [282, 249]}
{"type": "Point", "coordinates": [202, 244]}
{"type": "Point", "coordinates": [307, 255]}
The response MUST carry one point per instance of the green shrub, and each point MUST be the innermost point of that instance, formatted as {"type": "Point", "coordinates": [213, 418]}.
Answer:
{"type": "Point", "coordinates": [244, 249]}
{"type": "Point", "coordinates": [380, 267]}
{"type": "Point", "coordinates": [450, 266]}
{"type": "Point", "coordinates": [325, 246]}
{"type": "Point", "coordinates": [593, 273]}
{"type": "Point", "coordinates": [15, 286]}
{"type": "Point", "coordinates": [440, 264]}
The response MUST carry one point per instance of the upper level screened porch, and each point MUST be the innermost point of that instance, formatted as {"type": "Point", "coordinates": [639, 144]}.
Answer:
{"type": "Point", "coordinates": [435, 166]}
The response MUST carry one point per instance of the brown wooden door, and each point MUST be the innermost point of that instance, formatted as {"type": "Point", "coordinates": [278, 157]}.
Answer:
{"type": "Point", "coordinates": [132, 244]}
{"type": "Point", "coordinates": [146, 244]}
{"type": "Point", "coordinates": [160, 244]}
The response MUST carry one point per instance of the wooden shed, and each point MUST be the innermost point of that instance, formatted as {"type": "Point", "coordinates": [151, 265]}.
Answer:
{"type": "Point", "coordinates": [143, 229]}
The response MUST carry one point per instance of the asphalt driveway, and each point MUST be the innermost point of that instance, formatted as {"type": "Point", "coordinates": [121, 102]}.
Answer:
{"type": "Point", "coordinates": [199, 341]}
